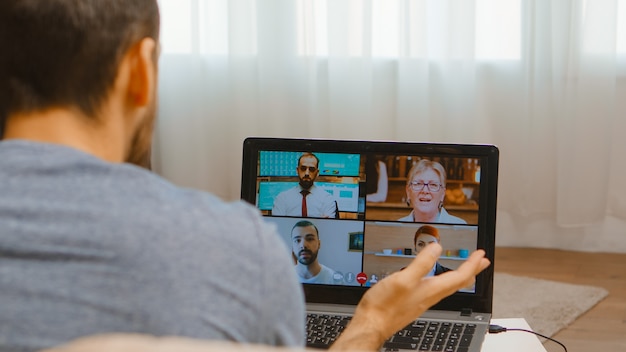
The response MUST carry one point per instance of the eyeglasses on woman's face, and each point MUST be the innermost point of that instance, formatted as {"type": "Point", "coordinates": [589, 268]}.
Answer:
{"type": "Point", "coordinates": [418, 186]}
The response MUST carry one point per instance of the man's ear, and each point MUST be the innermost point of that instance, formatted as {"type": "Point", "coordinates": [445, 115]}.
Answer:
{"type": "Point", "coordinates": [142, 72]}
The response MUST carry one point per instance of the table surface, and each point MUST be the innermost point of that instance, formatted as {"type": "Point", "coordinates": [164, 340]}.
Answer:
{"type": "Point", "coordinates": [512, 341]}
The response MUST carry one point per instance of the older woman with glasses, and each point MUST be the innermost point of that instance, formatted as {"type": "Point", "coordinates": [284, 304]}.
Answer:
{"type": "Point", "coordinates": [425, 191]}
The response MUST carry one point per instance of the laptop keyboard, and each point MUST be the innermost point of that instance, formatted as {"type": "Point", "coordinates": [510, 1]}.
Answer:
{"type": "Point", "coordinates": [421, 335]}
{"type": "Point", "coordinates": [323, 329]}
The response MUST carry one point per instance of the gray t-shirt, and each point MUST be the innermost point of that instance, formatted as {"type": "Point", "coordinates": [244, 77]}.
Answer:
{"type": "Point", "coordinates": [89, 247]}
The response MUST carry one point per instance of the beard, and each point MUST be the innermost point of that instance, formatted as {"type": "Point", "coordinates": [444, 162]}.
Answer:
{"type": "Point", "coordinates": [140, 152]}
{"type": "Point", "coordinates": [312, 257]}
{"type": "Point", "coordinates": [306, 183]}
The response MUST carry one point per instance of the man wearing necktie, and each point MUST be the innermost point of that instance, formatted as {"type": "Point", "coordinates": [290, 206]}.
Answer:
{"type": "Point", "coordinates": [305, 199]}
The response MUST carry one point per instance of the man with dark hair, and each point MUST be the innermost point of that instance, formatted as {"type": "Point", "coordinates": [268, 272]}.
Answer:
{"type": "Point", "coordinates": [306, 199]}
{"type": "Point", "coordinates": [67, 53]}
{"type": "Point", "coordinates": [91, 243]}
{"type": "Point", "coordinates": [305, 245]}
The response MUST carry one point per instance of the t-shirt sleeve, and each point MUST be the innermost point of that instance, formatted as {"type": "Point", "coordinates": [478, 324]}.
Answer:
{"type": "Point", "coordinates": [284, 307]}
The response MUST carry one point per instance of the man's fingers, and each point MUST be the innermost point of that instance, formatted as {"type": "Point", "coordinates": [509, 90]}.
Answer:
{"type": "Point", "coordinates": [466, 273]}
{"type": "Point", "coordinates": [450, 281]}
{"type": "Point", "coordinates": [428, 256]}
{"type": "Point", "coordinates": [425, 260]}
{"type": "Point", "coordinates": [475, 263]}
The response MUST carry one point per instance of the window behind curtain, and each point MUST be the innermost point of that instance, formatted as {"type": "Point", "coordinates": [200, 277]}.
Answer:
{"type": "Point", "coordinates": [380, 28]}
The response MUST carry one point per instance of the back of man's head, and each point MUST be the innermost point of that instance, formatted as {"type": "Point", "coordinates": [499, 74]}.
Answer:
{"type": "Point", "coordinates": [65, 53]}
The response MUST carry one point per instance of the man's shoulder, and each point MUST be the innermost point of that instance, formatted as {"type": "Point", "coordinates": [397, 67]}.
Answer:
{"type": "Point", "coordinates": [326, 275]}
{"type": "Point", "coordinates": [320, 192]}
{"type": "Point", "coordinates": [293, 190]}
{"type": "Point", "coordinates": [287, 195]}
{"type": "Point", "coordinates": [115, 193]}
{"type": "Point", "coordinates": [197, 210]}
{"type": "Point", "coordinates": [327, 269]}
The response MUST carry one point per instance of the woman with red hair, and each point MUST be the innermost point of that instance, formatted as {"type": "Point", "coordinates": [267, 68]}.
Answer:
{"type": "Point", "coordinates": [424, 236]}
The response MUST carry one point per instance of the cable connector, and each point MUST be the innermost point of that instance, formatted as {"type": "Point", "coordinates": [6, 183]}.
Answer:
{"type": "Point", "coordinates": [496, 329]}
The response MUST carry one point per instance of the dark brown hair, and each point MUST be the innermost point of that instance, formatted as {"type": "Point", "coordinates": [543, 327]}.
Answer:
{"type": "Point", "coordinates": [306, 223]}
{"type": "Point", "coordinates": [66, 52]}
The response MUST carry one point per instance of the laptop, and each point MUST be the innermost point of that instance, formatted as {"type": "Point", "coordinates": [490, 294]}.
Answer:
{"type": "Point", "coordinates": [371, 206]}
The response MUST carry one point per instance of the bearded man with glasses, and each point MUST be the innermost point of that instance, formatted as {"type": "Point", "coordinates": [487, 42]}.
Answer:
{"type": "Point", "coordinates": [425, 192]}
{"type": "Point", "coordinates": [306, 199]}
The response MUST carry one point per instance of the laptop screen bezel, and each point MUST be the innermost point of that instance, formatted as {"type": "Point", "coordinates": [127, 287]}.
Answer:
{"type": "Point", "coordinates": [479, 301]}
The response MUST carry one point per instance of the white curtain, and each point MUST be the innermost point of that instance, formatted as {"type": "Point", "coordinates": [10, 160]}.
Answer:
{"type": "Point", "coordinates": [545, 80]}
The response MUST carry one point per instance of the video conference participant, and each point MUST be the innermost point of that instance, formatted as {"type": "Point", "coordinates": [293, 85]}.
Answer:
{"type": "Point", "coordinates": [425, 192]}
{"type": "Point", "coordinates": [306, 244]}
{"type": "Point", "coordinates": [424, 236]}
{"type": "Point", "coordinates": [305, 199]}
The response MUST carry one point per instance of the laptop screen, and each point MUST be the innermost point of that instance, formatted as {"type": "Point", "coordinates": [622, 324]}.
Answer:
{"type": "Point", "coordinates": [354, 212]}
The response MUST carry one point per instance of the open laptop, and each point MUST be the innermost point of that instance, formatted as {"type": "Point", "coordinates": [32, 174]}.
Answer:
{"type": "Point", "coordinates": [370, 203]}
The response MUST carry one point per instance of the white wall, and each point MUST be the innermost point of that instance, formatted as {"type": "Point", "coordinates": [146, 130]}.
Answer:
{"type": "Point", "coordinates": [517, 231]}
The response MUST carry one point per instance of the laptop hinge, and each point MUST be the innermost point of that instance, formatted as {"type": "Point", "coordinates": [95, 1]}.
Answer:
{"type": "Point", "coordinates": [466, 312]}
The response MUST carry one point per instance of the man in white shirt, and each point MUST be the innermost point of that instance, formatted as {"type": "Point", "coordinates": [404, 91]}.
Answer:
{"type": "Point", "coordinates": [305, 245]}
{"type": "Point", "coordinates": [306, 199]}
